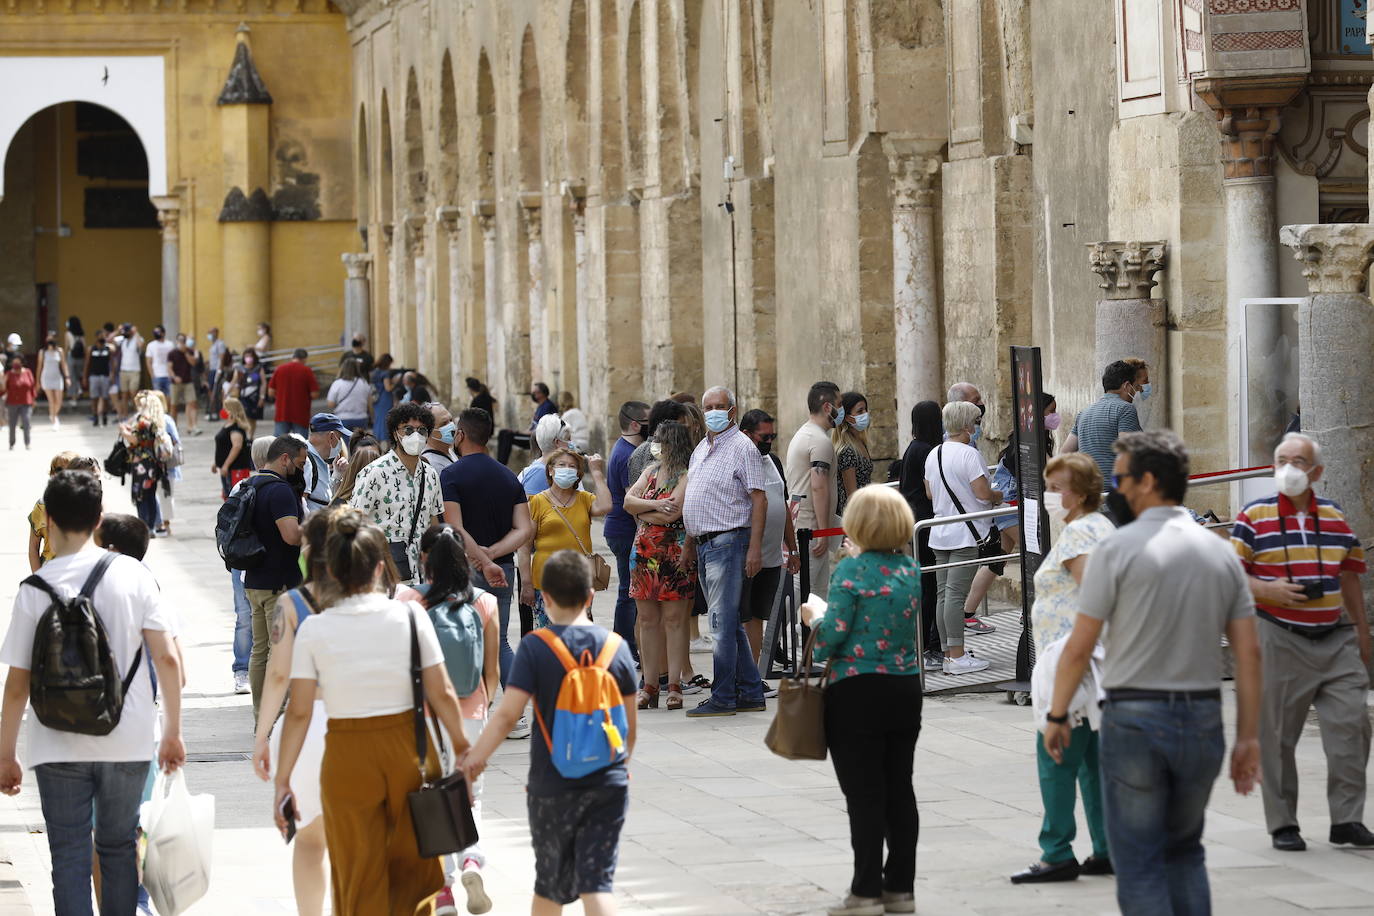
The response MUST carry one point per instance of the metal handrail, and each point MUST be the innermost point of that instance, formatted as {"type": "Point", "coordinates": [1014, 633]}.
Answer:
{"type": "Point", "coordinates": [1000, 512]}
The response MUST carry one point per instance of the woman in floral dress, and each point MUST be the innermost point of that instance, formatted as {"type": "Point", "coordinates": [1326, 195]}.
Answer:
{"type": "Point", "coordinates": [663, 577]}
{"type": "Point", "coordinates": [145, 435]}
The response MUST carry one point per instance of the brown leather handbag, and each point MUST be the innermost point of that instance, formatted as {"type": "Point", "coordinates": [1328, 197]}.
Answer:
{"type": "Point", "coordinates": [601, 570]}
{"type": "Point", "coordinates": [798, 729]}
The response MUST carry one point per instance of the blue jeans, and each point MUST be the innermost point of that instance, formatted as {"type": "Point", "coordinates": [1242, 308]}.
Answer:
{"type": "Point", "coordinates": [163, 383]}
{"type": "Point", "coordinates": [502, 596]}
{"type": "Point", "coordinates": [243, 623]}
{"type": "Point", "coordinates": [286, 428]}
{"type": "Point", "coordinates": [1159, 761]}
{"type": "Point", "coordinates": [625, 610]}
{"type": "Point", "coordinates": [720, 562]}
{"type": "Point", "coordinates": [73, 793]}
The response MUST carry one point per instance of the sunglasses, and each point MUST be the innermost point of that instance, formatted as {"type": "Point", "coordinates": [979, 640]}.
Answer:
{"type": "Point", "coordinates": [1117, 478]}
{"type": "Point", "coordinates": [768, 437]}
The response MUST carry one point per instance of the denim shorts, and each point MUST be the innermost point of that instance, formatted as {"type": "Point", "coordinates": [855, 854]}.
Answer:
{"type": "Point", "coordinates": [576, 839]}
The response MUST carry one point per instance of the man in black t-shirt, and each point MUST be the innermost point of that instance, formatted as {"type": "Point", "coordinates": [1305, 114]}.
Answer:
{"type": "Point", "coordinates": [277, 523]}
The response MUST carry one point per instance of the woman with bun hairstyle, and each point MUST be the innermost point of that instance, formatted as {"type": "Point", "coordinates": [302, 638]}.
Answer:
{"type": "Point", "coordinates": [357, 656]}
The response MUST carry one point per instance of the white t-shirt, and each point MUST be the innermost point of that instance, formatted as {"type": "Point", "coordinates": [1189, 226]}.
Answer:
{"type": "Point", "coordinates": [349, 398]}
{"type": "Point", "coordinates": [776, 522]}
{"type": "Point", "coordinates": [963, 465]}
{"type": "Point", "coordinates": [128, 601]}
{"type": "Point", "coordinates": [359, 653]}
{"type": "Point", "coordinates": [157, 353]}
{"type": "Point", "coordinates": [128, 352]}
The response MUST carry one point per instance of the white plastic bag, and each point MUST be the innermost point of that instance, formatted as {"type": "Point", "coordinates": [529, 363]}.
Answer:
{"type": "Point", "coordinates": [179, 828]}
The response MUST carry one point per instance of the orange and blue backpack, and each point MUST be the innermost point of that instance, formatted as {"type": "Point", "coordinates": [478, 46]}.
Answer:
{"type": "Point", "coordinates": [589, 721]}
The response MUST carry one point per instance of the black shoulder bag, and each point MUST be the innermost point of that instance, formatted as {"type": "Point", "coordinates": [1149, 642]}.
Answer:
{"type": "Point", "coordinates": [440, 811]}
{"type": "Point", "coordinates": [989, 546]}
{"type": "Point", "coordinates": [400, 553]}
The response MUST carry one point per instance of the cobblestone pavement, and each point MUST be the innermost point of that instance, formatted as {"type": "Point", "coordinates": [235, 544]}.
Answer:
{"type": "Point", "coordinates": [717, 824]}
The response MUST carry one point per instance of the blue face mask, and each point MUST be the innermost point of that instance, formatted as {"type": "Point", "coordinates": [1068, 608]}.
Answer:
{"type": "Point", "coordinates": [717, 420]}
{"type": "Point", "coordinates": [446, 432]}
{"type": "Point", "coordinates": [566, 477]}
{"type": "Point", "coordinates": [977, 432]}
{"type": "Point", "coordinates": [861, 421]}
{"type": "Point", "coordinates": [1144, 392]}
{"type": "Point", "coordinates": [839, 416]}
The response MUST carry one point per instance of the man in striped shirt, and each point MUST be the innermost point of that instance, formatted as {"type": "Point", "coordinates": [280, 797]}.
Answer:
{"type": "Point", "coordinates": [1304, 564]}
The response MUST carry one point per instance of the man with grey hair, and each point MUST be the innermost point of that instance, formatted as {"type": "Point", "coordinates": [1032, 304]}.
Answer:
{"type": "Point", "coordinates": [966, 391]}
{"type": "Point", "coordinates": [1304, 564]}
{"type": "Point", "coordinates": [724, 512]}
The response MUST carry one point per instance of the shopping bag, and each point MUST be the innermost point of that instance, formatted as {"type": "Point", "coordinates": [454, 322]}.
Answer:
{"type": "Point", "coordinates": [179, 827]}
{"type": "Point", "coordinates": [798, 729]}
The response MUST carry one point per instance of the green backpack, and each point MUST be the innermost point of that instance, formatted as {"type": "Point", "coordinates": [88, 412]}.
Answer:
{"type": "Point", "coordinates": [459, 628]}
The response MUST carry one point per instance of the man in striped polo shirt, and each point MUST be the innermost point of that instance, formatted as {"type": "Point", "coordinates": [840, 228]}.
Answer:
{"type": "Point", "coordinates": [1305, 564]}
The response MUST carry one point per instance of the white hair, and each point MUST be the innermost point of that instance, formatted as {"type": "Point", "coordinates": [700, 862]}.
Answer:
{"type": "Point", "coordinates": [549, 430]}
{"type": "Point", "coordinates": [959, 416]}
{"type": "Point", "coordinates": [1302, 437]}
{"type": "Point", "coordinates": [728, 394]}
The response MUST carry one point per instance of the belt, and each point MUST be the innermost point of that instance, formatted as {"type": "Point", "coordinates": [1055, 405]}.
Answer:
{"type": "Point", "coordinates": [1126, 693]}
{"type": "Point", "coordinates": [1312, 633]}
{"type": "Point", "coordinates": [703, 538]}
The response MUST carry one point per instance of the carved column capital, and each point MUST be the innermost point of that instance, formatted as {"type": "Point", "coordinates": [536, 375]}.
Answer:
{"type": "Point", "coordinates": [450, 218]}
{"type": "Point", "coordinates": [1335, 256]}
{"type": "Point", "coordinates": [169, 217]}
{"type": "Point", "coordinates": [534, 223]}
{"type": "Point", "coordinates": [913, 181]}
{"type": "Point", "coordinates": [1248, 116]}
{"type": "Point", "coordinates": [1127, 269]}
{"type": "Point", "coordinates": [356, 264]}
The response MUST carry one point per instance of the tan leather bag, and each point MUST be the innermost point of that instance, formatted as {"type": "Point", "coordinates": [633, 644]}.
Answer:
{"type": "Point", "coordinates": [798, 729]}
{"type": "Point", "coordinates": [601, 570]}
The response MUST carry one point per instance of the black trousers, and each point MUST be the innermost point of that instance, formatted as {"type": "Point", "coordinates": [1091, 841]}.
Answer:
{"type": "Point", "coordinates": [871, 725]}
{"type": "Point", "coordinates": [930, 629]}
{"type": "Point", "coordinates": [506, 440]}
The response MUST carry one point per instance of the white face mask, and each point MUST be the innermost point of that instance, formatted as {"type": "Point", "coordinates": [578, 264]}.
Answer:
{"type": "Point", "coordinates": [334, 452]}
{"type": "Point", "coordinates": [1290, 480]}
{"type": "Point", "coordinates": [655, 449]}
{"type": "Point", "coordinates": [414, 443]}
{"type": "Point", "coordinates": [1054, 506]}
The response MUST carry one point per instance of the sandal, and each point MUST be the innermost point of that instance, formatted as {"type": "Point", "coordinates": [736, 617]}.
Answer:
{"type": "Point", "coordinates": [674, 696]}
{"type": "Point", "coordinates": [648, 697]}
{"type": "Point", "coordinates": [696, 684]}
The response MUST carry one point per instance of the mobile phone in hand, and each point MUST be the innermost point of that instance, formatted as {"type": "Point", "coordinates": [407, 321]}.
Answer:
{"type": "Point", "coordinates": [288, 813]}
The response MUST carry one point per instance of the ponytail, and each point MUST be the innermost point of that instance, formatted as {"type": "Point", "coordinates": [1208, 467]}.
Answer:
{"type": "Point", "coordinates": [353, 551]}
{"type": "Point", "coordinates": [446, 566]}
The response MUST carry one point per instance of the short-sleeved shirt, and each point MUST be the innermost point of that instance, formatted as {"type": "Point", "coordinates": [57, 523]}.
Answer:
{"type": "Point", "coordinates": [38, 524]}
{"type": "Point", "coordinates": [962, 465]}
{"type": "Point", "coordinates": [912, 482]}
{"type": "Point", "coordinates": [810, 447]}
{"type": "Point", "coordinates": [552, 535]}
{"type": "Point", "coordinates": [292, 385]}
{"type": "Point", "coordinates": [349, 397]}
{"type": "Point", "coordinates": [129, 348]}
{"type": "Point", "coordinates": [487, 492]}
{"type": "Point", "coordinates": [19, 388]}
{"type": "Point", "coordinates": [179, 361]}
{"type": "Point", "coordinates": [545, 408]}
{"type": "Point", "coordinates": [869, 625]}
{"type": "Point", "coordinates": [1100, 425]}
{"type": "Point", "coordinates": [158, 353]}
{"type": "Point", "coordinates": [774, 527]}
{"type": "Point", "coordinates": [723, 472]}
{"type": "Point", "coordinates": [317, 489]}
{"type": "Point", "coordinates": [618, 480]}
{"type": "Point", "coordinates": [275, 500]}
{"type": "Point", "coordinates": [100, 360]}
{"type": "Point", "coordinates": [535, 478]}
{"type": "Point", "coordinates": [359, 653]}
{"type": "Point", "coordinates": [1274, 541]}
{"type": "Point", "coordinates": [1056, 590]}
{"type": "Point", "coordinates": [389, 493]}
{"type": "Point", "coordinates": [639, 460]}
{"type": "Point", "coordinates": [128, 601]}
{"type": "Point", "coordinates": [1166, 588]}
{"type": "Point", "coordinates": [538, 671]}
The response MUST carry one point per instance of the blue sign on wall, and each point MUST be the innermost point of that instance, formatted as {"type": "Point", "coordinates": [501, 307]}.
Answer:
{"type": "Point", "coordinates": [1352, 38]}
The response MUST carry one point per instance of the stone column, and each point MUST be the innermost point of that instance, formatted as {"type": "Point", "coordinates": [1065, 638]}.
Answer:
{"type": "Point", "coordinates": [579, 223]}
{"type": "Point", "coordinates": [491, 306]}
{"type": "Point", "coordinates": [1128, 322]}
{"type": "Point", "coordinates": [169, 217]}
{"type": "Point", "coordinates": [357, 295]}
{"type": "Point", "coordinates": [915, 285]}
{"type": "Point", "coordinates": [450, 219]}
{"type": "Point", "coordinates": [423, 345]}
{"type": "Point", "coordinates": [532, 212]}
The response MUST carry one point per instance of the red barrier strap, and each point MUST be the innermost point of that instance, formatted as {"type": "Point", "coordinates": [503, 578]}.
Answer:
{"type": "Point", "coordinates": [827, 532]}
{"type": "Point", "coordinates": [1258, 467]}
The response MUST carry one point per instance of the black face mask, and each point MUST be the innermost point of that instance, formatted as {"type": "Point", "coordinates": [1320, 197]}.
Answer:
{"type": "Point", "coordinates": [1119, 508]}
{"type": "Point", "coordinates": [297, 481]}
{"type": "Point", "coordinates": [765, 447]}
{"type": "Point", "coordinates": [982, 409]}
{"type": "Point", "coordinates": [357, 343]}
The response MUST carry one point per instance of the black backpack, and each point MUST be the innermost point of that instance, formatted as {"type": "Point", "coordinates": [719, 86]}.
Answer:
{"type": "Point", "coordinates": [239, 545]}
{"type": "Point", "coordinates": [74, 685]}
{"type": "Point", "coordinates": [118, 462]}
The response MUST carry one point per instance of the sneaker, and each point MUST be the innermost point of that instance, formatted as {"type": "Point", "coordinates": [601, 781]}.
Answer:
{"type": "Point", "coordinates": [708, 709]}
{"type": "Point", "coordinates": [241, 684]}
{"type": "Point", "coordinates": [747, 706]}
{"type": "Point", "coordinates": [769, 692]}
{"type": "Point", "coordinates": [965, 664]}
{"type": "Point", "coordinates": [933, 661]}
{"type": "Point", "coordinates": [701, 644]}
{"type": "Point", "coordinates": [478, 901]}
{"type": "Point", "coordinates": [444, 904]}
{"type": "Point", "coordinates": [521, 730]}
{"type": "Point", "coordinates": [56, 422]}
{"type": "Point", "coordinates": [974, 625]}
{"type": "Point", "coordinates": [697, 684]}
{"type": "Point", "coordinates": [857, 906]}
{"type": "Point", "coordinates": [898, 903]}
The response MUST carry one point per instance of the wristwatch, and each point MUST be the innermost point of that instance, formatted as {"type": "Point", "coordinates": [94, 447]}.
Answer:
{"type": "Point", "coordinates": [1057, 720]}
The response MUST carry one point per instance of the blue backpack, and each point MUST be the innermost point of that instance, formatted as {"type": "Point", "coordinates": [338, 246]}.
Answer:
{"type": "Point", "coordinates": [459, 628]}
{"type": "Point", "coordinates": [589, 721]}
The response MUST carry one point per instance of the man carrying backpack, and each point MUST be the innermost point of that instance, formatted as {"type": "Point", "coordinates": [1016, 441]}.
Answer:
{"type": "Point", "coordinates": [93, 709]}
{"type": "Point", "coordinates": [584, 686]}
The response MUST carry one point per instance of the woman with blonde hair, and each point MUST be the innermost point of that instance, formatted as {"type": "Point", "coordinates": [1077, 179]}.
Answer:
{"type": "Point", "coordinates": [145, 434]}
{"type": "Point", "coordinates": [853, 464]}
{"type": "Point", "coordinates": [867, 636]}
{"type": "Point", "coordinates": [362, 456]}
{"type": "Point", "coordinates": [1073, 493]}
{"type": "Point", "coordinates": [232, 459]}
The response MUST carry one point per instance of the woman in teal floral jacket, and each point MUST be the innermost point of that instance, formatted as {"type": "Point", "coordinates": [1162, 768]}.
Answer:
{"type": "Point", "coordinates": [867, 634]}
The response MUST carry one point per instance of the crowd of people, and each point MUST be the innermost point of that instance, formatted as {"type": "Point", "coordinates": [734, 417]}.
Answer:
{"type": "Point", "coordinates": [395, 542]}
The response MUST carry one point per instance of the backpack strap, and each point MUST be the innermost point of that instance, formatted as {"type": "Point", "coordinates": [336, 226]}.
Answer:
{"type": "Point", "coordinates": [558, 647]}
{"type": "Point", "coordinates": [604, 659]}
{"type": "Point", "coordinates": [87, 589]}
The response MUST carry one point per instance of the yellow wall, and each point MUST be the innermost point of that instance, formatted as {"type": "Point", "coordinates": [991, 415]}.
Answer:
{"type": "Point", "coordinates": [308, 281]}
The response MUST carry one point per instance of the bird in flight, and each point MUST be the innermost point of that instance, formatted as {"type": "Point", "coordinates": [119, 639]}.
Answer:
{"type": "Point", "coordinates": [105, 80]}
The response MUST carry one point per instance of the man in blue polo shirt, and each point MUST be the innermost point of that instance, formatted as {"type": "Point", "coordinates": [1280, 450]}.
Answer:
{"type": "Point", "coordinates": [620, 527]}
{"type": "Point", "coordinates": [1101, 423]}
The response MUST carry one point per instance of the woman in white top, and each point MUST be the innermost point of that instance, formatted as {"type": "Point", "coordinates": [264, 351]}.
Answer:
{"type": "Point", "coordinates": [52, 375]}
{"type": "Point", "coordinates": [348, 396]}
{"type": "Point", "coordinates": [357, 655]}
{"type": "Point", "coordinates": [294, 608]}
{"type": "Point", "coordinates": [576, 420]}
{"type": "Point", "coordinates": [955, 476]}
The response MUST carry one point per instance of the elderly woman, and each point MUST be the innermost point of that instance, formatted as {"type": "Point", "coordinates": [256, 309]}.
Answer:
{"type": "Point", "coordinates": [1073, 491]}
{"type": "Point", "coordinates": [867, 637]}
{"type": "Point", "coordinates": [562, 517]}
{"type": "Point", "coordinates": [957, 483]}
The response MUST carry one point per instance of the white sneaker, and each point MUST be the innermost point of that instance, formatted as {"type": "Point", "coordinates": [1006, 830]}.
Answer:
{"type": "Point", "coordinates": [858, 906]}
{"type": "Point", "coordinates": [702, 644]}
{"type": "Point", "coordinates": [965, 664]}
{"type": "Point", "coordinates": [769, 692]}
{"type": "Point", "coordinates": [522, 728]}
{"type": "Point", "coordinates": [241, 684]}
{"type": "Point", "coordinates": [478, 901]}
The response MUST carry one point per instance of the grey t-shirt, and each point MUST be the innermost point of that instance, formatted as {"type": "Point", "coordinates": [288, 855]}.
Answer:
{"type": "Point", "coordinates": [639, 460]}
{"type": "Point", "coordinates": [1166, 588]}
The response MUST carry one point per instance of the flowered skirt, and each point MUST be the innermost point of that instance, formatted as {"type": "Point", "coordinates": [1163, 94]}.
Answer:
{"type": "Point", "coordinates": [660, 573]}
